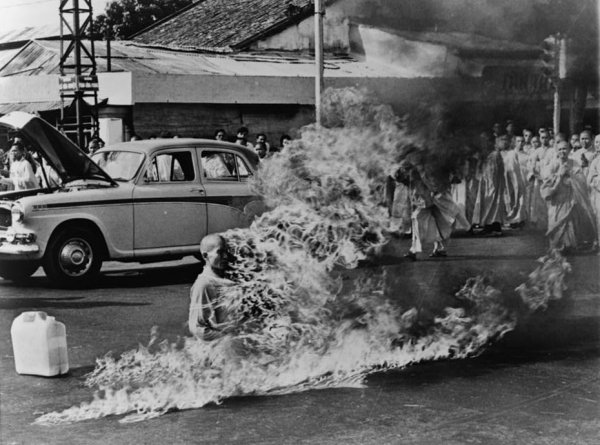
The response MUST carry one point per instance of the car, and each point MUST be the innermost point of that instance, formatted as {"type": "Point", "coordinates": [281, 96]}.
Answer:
{"type": "Point", "coordinates": [139, 201]}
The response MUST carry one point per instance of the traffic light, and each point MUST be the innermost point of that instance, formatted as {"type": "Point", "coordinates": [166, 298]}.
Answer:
{"type": "Point", "coordinates": [554, 57]}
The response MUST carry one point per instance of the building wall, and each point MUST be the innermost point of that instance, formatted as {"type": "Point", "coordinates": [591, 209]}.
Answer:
{"type": "Point", "coordinates": [302, 35]}
{"type": "Point", "coordinates": [201, 120]}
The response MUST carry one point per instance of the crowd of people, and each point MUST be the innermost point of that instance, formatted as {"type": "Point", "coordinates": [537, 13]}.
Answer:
{"type": "Point", "coordinates": [261, 146]}
{"type": "Point", "coordinates": [514, 179]}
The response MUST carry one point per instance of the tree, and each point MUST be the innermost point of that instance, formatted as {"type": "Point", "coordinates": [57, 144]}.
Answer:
{"type": "Point", "coordinates": [123, 18]}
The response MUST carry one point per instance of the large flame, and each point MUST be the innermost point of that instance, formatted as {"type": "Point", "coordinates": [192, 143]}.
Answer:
{"type": "Point", "coordinates": [298, 326]}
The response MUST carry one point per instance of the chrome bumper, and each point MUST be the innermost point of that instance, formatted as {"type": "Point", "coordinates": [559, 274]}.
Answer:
{"type": "Point", "coordinates": [13, 249]}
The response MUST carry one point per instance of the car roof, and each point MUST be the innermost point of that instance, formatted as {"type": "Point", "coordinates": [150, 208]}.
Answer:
{"type": "Point", "coordinates": [149, 146]}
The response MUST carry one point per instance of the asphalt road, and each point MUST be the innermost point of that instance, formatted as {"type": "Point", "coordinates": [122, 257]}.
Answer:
{"type": "Point", "coordinates": [540, 384]}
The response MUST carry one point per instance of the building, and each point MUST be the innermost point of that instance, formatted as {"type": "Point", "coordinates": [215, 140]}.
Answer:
{"type": "Point", "coordinates": [223, 64]}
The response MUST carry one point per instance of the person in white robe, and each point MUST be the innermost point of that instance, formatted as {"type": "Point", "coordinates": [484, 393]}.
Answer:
{"type": "Point", "coordinates": [514, 184]}
{"type": "Point", "coordinates": [489, 210]}
{"type": "Point", "coordinates": [433, 216]}
{"type": "Point", "coordinates": [571, 224]}
{"type": "Point", "coordinates": [21, 170]}
{"type": "Point", "coordinates": [594, 187]}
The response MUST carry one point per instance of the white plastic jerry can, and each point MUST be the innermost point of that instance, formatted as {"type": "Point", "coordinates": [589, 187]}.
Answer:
{"type": "Point", "coordinates": [39, 345]}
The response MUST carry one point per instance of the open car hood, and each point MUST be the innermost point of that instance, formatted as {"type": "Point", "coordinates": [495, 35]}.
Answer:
{"type": "Point", "coordinates": [69, 161]}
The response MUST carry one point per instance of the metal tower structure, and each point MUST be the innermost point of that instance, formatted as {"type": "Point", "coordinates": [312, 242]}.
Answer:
{"type": "Point", "coordinates": [78, 81]}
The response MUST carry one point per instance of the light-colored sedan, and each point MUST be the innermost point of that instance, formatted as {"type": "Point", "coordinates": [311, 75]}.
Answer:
{"type": "Point", "coordinates": [139, 201]}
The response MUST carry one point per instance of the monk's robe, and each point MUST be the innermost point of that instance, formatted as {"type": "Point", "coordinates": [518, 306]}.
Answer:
{"type": "Point", "coordinates": [570, 217]}
{"type": "Point", "coordinates": [594, 187]}
{"type": "Point", "coordinates": [400, 209]}
{"type": "Point", "coordinates": [489, 205]}
{"type": "Point", "coordinates": [538, 210]}
{"type": "Point", "coordinates": [434, 215]}
{"type": "Point", "coordinates": [523, 157]}
{"type": "Point", "coordinates": [514, 188]}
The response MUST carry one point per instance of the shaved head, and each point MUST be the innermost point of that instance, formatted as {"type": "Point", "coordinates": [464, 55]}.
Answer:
{"type": "Point", "coordinates": [209, 242]}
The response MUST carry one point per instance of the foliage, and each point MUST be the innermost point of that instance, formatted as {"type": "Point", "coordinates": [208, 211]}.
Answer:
{"type": "Point", "coordinates": [122, 18]}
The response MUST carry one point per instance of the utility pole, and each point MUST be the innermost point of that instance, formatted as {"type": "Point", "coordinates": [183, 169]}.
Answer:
{"type": "Point", "coordinates": [318, 60]}
{"type": "Point", "coordinates": [554, 60]}
{"type": "Point", "coordinates": [78, 79]}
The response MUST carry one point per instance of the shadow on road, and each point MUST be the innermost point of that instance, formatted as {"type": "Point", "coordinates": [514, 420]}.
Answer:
{"type": "Point", "coordinates": [59, 303]}
{"type": "Point", "coordinates": [134, 277]}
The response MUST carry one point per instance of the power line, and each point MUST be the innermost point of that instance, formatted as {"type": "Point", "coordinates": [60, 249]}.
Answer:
{"type": "Point", "coordinates": [18, 5]}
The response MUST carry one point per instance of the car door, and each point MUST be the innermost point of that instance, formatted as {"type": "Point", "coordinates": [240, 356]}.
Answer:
{"type": "Point", "coordinates": [169, 202]}
{"type": "Point", "coordinates": [225, 174]}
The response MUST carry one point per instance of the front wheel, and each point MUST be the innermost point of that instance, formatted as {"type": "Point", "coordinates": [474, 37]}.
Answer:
{"type": "Point", "coordinates": [73, 258]}
{"type": "Point", "coordinates": [18, 270]}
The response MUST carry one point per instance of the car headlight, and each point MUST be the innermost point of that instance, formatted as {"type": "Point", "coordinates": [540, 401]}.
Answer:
{"type": "Point", "coordinates": [17, 213]}
{"type": "Point", "coordinates": [10, 236]}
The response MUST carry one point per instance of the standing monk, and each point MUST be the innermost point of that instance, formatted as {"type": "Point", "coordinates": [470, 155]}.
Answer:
{"type": "Point", "coordinates": [594, 184]}
{"type": "Point", "coordinates": [489, 207]}
{"type": "Point", "coordinates": [570, 219]}
{"type": "Point", "coordinates": [514, 182]}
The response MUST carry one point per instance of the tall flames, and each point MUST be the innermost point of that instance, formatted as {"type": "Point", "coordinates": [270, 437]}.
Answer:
{"type": "Point", "coordinates": [298, 326]}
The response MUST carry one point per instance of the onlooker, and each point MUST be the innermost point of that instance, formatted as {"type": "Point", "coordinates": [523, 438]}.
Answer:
{"type": "Point", "coordinates": [489, 208]}
{"type": "Point", "coordinates": [594, 185]}
{"type": "Point", "coordinates": [21, 171]}
{"type": "Point", "coordinates": [261, 138]}
{"type": "Point", "coordinates": [570, 216]}
{"type": "Point", "coordinates": [220, 135]}
{"type": "Point", "coordinates": [242, 137]}
{"type": "Point", "coordinates": [93, 145]}
{"type": "Point", "coordinates": [284, 141]}
{"type": "Point", "coordinates": [586, 152]}
{"type": "Point", "coordinates": [574, 141]}
{"type": "Point", "coordinates": [261, 150]}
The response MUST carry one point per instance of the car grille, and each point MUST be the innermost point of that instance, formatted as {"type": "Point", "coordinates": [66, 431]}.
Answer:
{"type": "Point", "coordinates": [5, 218]}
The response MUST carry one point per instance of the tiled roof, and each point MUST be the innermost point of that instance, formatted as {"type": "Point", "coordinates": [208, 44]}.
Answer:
{"type": "Point", "coordinates": [224, 25]}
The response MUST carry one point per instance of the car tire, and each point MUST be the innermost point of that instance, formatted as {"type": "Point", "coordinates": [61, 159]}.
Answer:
{"type": "Point", "coordinates": [18, 270]}
{"type": "Point", "coordinates": [73, 258]}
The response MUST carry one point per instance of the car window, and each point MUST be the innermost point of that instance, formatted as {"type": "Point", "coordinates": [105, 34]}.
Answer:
{"type": "Point", "coordinates": [224, 166]}
{"type": "Point", "coordinates": [219, 165]}
{"type": "Point", "coordinates": [171, 167]}
{"type": "Point", "coordinates": [243, 169]}
{"type": "Point", "coordinates": [120, 165]}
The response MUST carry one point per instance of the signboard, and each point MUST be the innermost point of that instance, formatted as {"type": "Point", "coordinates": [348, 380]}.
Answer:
{"type": "Point", "coordinates": [69, 84]}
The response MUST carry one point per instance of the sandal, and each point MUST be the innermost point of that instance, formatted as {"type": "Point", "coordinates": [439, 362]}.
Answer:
{"type": "Point", "coordinates": [411, 256]}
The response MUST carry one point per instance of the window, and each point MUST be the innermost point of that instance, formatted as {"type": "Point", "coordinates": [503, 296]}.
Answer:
{"type": "Point", "coordinates": [171, 167]}
{"type": "Point", "coordinates": [223, 166]}
{"type": "Point", "coordinates": [243, 169]}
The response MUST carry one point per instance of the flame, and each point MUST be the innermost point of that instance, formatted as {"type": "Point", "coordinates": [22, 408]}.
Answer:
{"type": "Point", "coordinates": [298, 326]}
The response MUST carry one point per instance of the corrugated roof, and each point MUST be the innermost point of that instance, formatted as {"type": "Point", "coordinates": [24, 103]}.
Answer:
{"type": "Point", "coordinates": [467, 44]}
{"type": "Point", "coordinates": [222, 25]}
{"type": "Point", "coordinates": [30, 107]}
{"type": "Point", "coordinates": [42, 57]}
{"type": "Point", "coordinates": [29, 33]}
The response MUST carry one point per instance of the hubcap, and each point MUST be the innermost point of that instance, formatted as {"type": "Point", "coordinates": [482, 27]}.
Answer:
{"type": "Point", "coordinates": [75, 257]}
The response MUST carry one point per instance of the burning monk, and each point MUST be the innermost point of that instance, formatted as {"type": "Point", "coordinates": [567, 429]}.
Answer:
{"type": "Point", "coordinates": [570, 218]}
{"type": "Point", "coordinates": [207, 316]}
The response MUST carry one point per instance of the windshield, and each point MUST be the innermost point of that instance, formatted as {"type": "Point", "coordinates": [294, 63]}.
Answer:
{"type": "Point", "coordinates": [120, 165]}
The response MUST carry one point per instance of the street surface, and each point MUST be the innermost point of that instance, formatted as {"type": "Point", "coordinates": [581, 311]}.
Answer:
{"type": "Point", "coordinates": [539, 385]}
